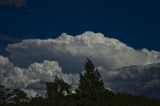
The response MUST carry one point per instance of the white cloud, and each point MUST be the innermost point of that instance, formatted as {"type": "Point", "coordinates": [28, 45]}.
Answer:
{"type": "Point", "coordinates": [138, 80]}
{"type": "Point", "coordinates": [71, 51]}
{"type": "Point", "coordinates": [15, 77]}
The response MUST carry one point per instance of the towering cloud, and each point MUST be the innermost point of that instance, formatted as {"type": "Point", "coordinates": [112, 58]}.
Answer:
{"type": "Point", "coordinates": [123, 68]}
{"type": "Point", "coordinates": [71, 51]}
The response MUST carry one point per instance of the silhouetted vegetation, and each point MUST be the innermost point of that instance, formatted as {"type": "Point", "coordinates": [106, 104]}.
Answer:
{"type": "Point", "coordinates": [56, 91]}
{"type": "Point", "coordinates": [91, 87]}
{"type": "Point", "coordinates": [90, 92]}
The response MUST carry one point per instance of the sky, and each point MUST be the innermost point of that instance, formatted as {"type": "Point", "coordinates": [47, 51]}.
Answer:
{"type": "Point", "coordinates": [134, 22]}
{"type": "Point", "coordinates": [121, 37]}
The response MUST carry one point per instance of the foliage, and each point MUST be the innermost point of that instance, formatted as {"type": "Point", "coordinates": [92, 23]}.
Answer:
{"type": "Point", "coordinates": [57, 90]}
{"type": "Point", "coordinates": [91, 86]}
{"type": "Point", "coordinates": [90, 91]}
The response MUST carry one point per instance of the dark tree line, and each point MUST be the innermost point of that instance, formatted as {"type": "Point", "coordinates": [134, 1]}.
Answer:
{"type": "Point", "coordinates": [90, 92]}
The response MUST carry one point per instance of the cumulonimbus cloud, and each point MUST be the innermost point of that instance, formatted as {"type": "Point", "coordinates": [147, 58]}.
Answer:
{"type": "Point", "coordinates": [71, 51]}
{"type": "Point", "coordinates": [117, 59]}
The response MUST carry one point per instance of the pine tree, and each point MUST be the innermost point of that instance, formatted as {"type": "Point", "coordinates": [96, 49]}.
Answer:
{"type": "Point", "coordinates": [90, 84]}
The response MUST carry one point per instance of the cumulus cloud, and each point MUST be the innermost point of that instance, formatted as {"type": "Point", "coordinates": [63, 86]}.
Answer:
{"type": "Point", "coordinates": [15, 77]}
{"type": "Point", "coordinates": [71, 51]}
{"type": "Point", "coordinates": [16, 3]}
{"type": "Point", "coordinates": [137, 80]}
{"type": "Point", "coordinates": [125, 69]}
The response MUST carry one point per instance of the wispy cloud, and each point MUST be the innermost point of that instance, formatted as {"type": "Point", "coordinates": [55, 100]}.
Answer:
{"type": "Point", "coordinates": [16, 3]}
{"type": "Point", "coordinates": [7, 38]}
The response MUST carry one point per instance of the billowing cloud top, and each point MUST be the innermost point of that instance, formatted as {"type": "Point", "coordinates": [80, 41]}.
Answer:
{"type": "Point", "coordinates": [15, 77]}
{"type": "Point", "coordinates": [33, 61]}
{"type": "Point", "coordinates": [71, 51]}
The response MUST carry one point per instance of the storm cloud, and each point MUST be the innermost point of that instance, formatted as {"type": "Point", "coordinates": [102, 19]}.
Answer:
{"type": "Point", "coordinates": [71, 51]}
{"type": "Point", "coordinates": [123, 68]}
{"type": "Point", "coordinates": [137, 80]}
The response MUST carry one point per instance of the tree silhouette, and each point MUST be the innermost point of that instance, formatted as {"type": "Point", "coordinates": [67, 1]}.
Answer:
{"type": "Point", "coordinates": [20, 97]}
{"type": "Point", "coordinates": [91, 85]}
{"type": "Point", "coordinates": [90, 92]}
{"type": "Point", "coordinates": [57, 90]}
{"type": "Point", "coordinates": [2, 94]}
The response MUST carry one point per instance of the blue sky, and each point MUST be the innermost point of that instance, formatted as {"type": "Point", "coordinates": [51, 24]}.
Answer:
{"type": "Point", "coordinates": [134, 22]}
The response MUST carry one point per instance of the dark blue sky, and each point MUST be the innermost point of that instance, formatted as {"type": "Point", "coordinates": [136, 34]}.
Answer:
{"type": "Point", "coordinates": [134, 22]}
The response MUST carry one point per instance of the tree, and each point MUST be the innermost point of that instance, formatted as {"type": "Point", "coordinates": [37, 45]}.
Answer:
{"type": "Point", "coordinates": [2, 94]}
{"type": "Point", "coordinates": [57, 90]}
{"type": "Point", "coordinates": [91, 85]}
{"type": "Point", "coordinates": [19, 97]}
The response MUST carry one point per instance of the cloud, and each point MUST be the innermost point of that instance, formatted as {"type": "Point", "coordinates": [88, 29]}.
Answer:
{"type": "Point", "coordinates": [16, 3]}
{"type": "Point", "coordinates": [15, 77]}
{"type": "Point", "coordinates": [71, 51]}
{"type": "Point", "coordinates": [123, 68]}
{"type": "Point", "coordinates": [136, 80]}
{"type": "Point", "coordinates": [7, 38]}
{"type": "Point", "coordinates": [4, 41]}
